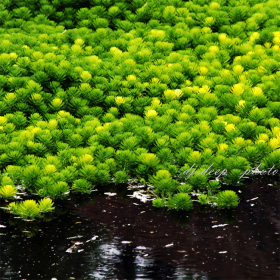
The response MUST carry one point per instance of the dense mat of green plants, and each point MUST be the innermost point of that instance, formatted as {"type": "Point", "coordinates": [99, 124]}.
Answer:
{"type": "Point", "coordinates": [100, 91]}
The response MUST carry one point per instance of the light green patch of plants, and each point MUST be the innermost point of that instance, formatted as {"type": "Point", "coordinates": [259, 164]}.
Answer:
{"type": "Point", "coordinates": [183, 96]}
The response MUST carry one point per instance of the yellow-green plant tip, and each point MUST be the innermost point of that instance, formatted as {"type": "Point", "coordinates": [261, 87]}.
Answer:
{"type": "Point", "coordinates": [8, 191]}
{"type": "Point", "coordinates": [26, 209]}
{"type": "Point", "coordinates": [46, 204]}
{"type": "Point", "coordinates": [151, 113]}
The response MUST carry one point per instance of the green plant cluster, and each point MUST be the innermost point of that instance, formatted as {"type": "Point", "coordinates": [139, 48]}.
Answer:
{"type": "Point", "coordinates": [7, 188]}
{"type": "Point", "coordinates": [30, 208]}
{"type": "Point", "coordinates": [169, 193]}
{"type": "Point", "coordinates": [100, 91]}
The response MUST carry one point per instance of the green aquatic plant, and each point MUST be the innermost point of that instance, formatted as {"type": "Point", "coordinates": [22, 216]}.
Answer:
{"type": "Point", "coordinates": [227, 199]}
{"type": "Point", "coordinates": [148, 161]}
{"type": "Point", "coordinates": [180, 201]}
{"type": "Point", "coordinates": [160, 175]}
{"type": "Point", "coordinates": [59, 189]}
{"type": "Point", "coordinates": [26, 209]}
{"type": "Point", "coordinates": [198, 180]}
{"type": "Point", "coordinates": [82, 186]}
{"type": "Point", "coordinates": [182, 155]}
{"type": "Point", "coordinates": [213, 185]}
{"type": "Point", "coordinates": [203, 199]}
{"type": "Point", "coordinates": [89, 173]}
{"type": "Point", "coordinates": [159, 203]}
{"type": "Point", "coordinates": [130, 143]}
{"type": "Point", "coordinates": [194, 158]}
{"type": "Point", "coordinates": [165, 156]}
{"type": "Point", "coordinates": [165, 186]}
{"type": "Point", "coordinates": [30, 208]}
{"type": "Point", "coordinates": [184, 188]}
{"type": "Point", "coordinates": [30, 175]}
{"type": "Point", "coordinates": [272, 160]}
{"type": "Point", "coordinates": [121, 177]}
{"type": "Point", "coordinates": [113, 92]}
{"type": "Point", "coordinates": [46, 205]}
{"type": "Point", "coordinates": [8, 191]}
{"type": "Point", "coordinates": [6, 180]}
{"type": "Point", "coordinates": [234, 176]}
{"type": "Point", "coordinates": [125, 159]}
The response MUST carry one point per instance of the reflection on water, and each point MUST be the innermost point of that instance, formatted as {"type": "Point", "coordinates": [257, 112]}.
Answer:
{"type": "Point", "coordinates": [115, 237]}
{"type": "Point", "coordinates": [131, 263]}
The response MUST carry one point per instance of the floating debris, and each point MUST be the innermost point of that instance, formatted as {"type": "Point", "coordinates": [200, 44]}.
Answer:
{"type": "Point", "coordinates": [126, 242]}
{"type": "Point", "coordinates": [79, 243]}
{"type": "Point", "coordinates": [194, 193]}
{"type": "Point", "coordinates": [74, 249]}
{"type": "Point", "coordinates": [2, 226]}
{"type": "Point", "coordinates": [252, 199]}
{"type": "Point", "coordinates": [141, 248]}
{"type": "Point", "coordinates": [73, 237]}
{"type": "Point", "coordinates": [141, 196]}
{"type": "Point", "coordinates": [135, 187]}
{"type": "Point", "coordinates": [71, 249]}
{"type": "Point", "coordinates": [221, 225]}
{"type": "Point", "coordinates": [169, 245]}
{"type": "Point", "coordinates": [110, 193]}
{"type": "Point", "coordinates": [222, 252]}
{"type": "Point", "coordinates": [93, 238]}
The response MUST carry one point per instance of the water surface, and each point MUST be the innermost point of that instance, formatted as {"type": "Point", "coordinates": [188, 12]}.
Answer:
{"type": "Point", "coordinates": [118, 237]}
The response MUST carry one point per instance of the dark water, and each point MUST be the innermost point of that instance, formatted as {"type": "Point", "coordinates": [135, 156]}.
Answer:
{"type": "Point", "coordinates": [123, 238]}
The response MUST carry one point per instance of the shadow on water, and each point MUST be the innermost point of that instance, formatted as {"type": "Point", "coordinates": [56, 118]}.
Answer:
{"type": "Point", "coordinates": [119, 237]}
